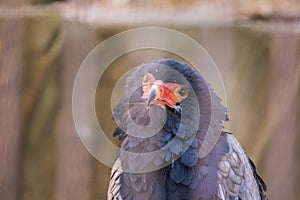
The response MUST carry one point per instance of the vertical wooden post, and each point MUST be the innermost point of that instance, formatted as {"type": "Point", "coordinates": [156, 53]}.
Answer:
{"type": "Point", "coordinates": [280, 158]}
{"type": "Point", "coordinates": [10, 105]}
{"type": "Point", "coordinates": [40, 104]}
{"type": "Point", "coordinates": [73, 173]}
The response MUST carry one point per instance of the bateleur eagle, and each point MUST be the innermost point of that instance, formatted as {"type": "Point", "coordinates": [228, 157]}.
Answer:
{"type": "Point", "coordinates": [184, 110]}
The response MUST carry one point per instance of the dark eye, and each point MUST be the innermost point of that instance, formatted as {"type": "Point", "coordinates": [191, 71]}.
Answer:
{"type": "Point", "coordinates": [183, 92]}
{"type": "Point", "coordinates": [146, 79]}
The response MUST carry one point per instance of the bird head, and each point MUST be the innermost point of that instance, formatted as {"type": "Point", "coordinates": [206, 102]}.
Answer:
{"type": "Point", "coordinates": [163, 94]}
{"type": "Point", "coordinates": [172, 89]}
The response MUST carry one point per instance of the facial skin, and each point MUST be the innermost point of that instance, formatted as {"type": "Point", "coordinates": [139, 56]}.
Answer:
{"type": "Point", "coordinates": [162, 94]}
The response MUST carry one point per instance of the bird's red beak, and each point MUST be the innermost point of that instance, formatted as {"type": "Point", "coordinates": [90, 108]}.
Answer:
{"type": "Point", "coordinates": [163, 94]}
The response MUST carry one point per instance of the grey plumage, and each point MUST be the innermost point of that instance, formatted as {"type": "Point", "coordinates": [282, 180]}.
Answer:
{"type": "Point", "coordinates": [225, 173]}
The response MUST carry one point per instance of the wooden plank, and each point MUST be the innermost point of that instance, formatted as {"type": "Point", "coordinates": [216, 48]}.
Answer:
{"type": "Point", "coordinates": [10, 106]}
{"type": "Point", "coordinates": [73, 165]}
{"type": "Point", "coordinates": [279, 159]}
{"type": "Point", "coordinates": [44, 35]}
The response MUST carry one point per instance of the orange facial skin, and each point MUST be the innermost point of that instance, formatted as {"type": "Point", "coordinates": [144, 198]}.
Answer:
{"type": "Point", "coordinates": [163, 94]}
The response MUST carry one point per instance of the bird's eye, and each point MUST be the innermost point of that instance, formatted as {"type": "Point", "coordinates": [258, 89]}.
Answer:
{"type": "Point", "coordinates": [146, 78]}
{"type": "Point", "coordinates": [183, 92]}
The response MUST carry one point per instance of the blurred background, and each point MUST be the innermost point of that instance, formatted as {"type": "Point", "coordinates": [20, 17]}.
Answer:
{"type": "Point", "coordinates": [256, 45]}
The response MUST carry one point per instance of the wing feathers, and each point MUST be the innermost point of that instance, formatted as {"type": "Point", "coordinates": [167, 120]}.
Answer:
{"type": "Point", "coordinates": [113, 192]}
{"type": "Point", "coordinates": [237, 177]}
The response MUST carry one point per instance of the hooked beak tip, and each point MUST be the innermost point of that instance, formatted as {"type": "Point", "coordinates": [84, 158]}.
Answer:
{"type": "Point", "coordinates": [151, 97]}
